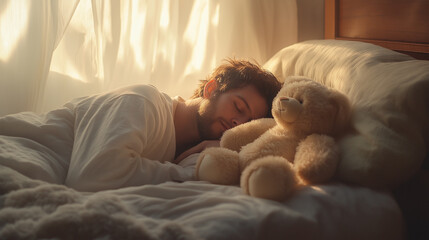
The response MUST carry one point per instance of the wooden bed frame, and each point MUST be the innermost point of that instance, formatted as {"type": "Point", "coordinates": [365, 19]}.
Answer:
{"type": "Point", "coordinates": [403, 26]}
{"type": "Point", "coordinates": [400, 25]}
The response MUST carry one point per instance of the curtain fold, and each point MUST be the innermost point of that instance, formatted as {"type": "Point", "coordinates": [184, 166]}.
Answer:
{"type": "Point", "coordinates": [53, 51]}
{"type": "Point", "coordinates": [29, 33]}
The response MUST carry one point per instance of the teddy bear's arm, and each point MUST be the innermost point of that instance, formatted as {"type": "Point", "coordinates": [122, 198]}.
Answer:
{"type": "Point", "coordinates": [218, 165]}
{"type": "Point", "coordinates": [246, 133]}
{"type": "Point", "coordinates": [316, 159]}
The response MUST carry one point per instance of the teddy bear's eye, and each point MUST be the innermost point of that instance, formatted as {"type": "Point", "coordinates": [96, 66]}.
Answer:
{"type": "Point", "coordinates": [300, 101]}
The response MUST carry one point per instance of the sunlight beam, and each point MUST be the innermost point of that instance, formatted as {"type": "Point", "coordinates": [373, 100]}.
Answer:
{"type": "Point", "coordinates": [13, 26]}
{"type": "Point", "coordinates": [196, 35]}
{"type": "Point", "coordinates": [139, 15]}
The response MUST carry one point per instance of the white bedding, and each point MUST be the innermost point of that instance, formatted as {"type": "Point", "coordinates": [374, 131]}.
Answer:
{"type": "Point", "coordinates": [43, 208]}
{"type": "Point", "coordinates": [33, 209]}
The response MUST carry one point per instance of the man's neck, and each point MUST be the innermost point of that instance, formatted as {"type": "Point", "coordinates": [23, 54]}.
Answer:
{"type": "Point", "coordinates": [185, 123]}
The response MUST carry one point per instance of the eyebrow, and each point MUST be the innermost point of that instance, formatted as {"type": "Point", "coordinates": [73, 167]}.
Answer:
{"type": "Point", "coordinates": [247, 105]}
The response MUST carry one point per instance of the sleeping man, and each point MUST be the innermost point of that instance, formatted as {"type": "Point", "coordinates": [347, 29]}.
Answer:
{"type": "Point", "coordinates": [136, 135]}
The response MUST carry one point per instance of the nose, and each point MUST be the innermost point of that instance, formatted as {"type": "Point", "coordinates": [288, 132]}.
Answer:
{"type": "Point", "coordinates": [238, 121]}
{"type": "Point", "coordinates": [235, 122]}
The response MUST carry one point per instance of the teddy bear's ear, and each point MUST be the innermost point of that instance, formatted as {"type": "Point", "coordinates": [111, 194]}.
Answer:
{"type": "Point", "coordinates": [343, 114]}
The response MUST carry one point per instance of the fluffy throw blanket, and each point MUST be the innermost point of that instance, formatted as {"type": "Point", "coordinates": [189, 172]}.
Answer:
{"type": "Point", "coordinates": [32, 209]}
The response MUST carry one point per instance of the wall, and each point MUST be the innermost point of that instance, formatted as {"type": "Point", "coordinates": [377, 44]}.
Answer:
{"type": "Point", "coordinates": [310, 19]}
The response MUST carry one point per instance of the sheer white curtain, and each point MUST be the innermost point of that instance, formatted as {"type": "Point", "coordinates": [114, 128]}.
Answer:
{"type": "Point", "coordinates": [53, 51]}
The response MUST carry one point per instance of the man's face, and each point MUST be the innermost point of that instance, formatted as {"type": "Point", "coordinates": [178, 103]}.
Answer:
{"type": "Point", "coordinates": [227, 110]}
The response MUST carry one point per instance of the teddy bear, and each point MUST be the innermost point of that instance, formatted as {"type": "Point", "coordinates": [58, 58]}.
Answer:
{"type": "Point", "coordinates": [272, 158]}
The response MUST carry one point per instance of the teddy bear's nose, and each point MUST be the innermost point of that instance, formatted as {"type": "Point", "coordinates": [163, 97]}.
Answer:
{"type": "Point", "coordinates": [290, 108]}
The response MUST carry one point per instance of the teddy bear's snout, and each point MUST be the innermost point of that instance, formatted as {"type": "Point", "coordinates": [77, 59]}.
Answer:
{"type": "Point", "coordinates": [289, 99]}
{"type": "Point", "coordinates": [287, 102]}
{"type": "Point", "coordinates": [289, 108]}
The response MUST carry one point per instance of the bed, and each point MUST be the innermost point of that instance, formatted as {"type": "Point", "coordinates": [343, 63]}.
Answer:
{"type": "Point", "coordinates": [34, 206]}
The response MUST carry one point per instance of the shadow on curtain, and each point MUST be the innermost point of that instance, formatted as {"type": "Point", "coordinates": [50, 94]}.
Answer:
{"type": "Point", "coordinates": [53, 51]}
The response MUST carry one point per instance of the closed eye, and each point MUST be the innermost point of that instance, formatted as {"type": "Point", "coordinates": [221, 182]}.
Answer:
{"type": "Point", "coordinates": [237, 107]}
{"type": "Point", "coordinates": [243, 106]}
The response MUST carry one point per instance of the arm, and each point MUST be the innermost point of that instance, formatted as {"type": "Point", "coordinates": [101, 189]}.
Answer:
{"type": "Point", "coordinates": [197, 149]}
{"type": "Point", "coordinates": [123, 142]}
{"type": "Point", "coordinates": [316, 158]}
{"type": "Point", "coordinates": [234, 138]}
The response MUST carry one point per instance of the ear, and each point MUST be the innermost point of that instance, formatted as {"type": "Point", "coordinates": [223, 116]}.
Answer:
{"type": "Point", "coordinates": [209, 88]}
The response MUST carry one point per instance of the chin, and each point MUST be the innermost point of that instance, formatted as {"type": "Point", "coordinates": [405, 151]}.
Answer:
{"type": "Point", "coordinates": [211, 134]}
{"type": "Point", "coordinates": [217, 135]}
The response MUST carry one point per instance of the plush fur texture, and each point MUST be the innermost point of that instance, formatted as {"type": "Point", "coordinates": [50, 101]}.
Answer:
{"type": "Point", "coordinates": [272, 158]}
{"type": "Point", "coordinates": [33, 209]}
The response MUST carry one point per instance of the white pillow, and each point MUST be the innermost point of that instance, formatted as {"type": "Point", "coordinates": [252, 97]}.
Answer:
{"type": "Point", "coordinates": [389, 94]}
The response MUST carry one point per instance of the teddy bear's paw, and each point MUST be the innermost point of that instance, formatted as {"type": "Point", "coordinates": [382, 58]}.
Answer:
{"type": "Point", "coordinates": [316, 159]}
{"type": "Point", "coordinates": [270, 178]}
{"type": "Point", "coordinates": [239, 136]}
{"type": "Point", "coordinates": [219, 166]}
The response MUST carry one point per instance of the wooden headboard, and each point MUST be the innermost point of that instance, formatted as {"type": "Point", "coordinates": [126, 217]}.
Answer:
{"type": "Point", "coordinates": [400, 25]}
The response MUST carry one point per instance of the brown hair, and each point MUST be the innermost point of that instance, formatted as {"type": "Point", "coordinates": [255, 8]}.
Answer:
{"type": "Point", "coordinates": [240, 73]}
